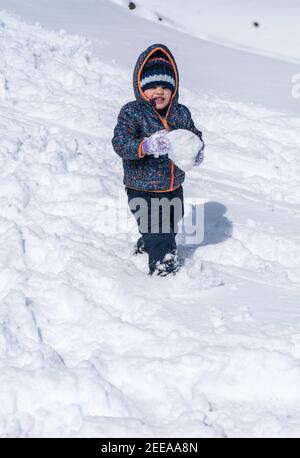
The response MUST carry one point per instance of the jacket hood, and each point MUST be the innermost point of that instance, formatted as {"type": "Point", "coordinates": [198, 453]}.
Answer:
{"type": "Point", "coordinates": [142, 59]}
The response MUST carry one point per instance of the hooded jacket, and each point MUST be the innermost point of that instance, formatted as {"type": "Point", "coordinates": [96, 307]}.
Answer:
{"type": "Point", "coordinates": [139, 119]}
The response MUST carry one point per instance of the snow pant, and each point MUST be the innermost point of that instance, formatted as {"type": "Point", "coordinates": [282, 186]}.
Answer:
{"type": "Point", "coordinates": [158, 216]}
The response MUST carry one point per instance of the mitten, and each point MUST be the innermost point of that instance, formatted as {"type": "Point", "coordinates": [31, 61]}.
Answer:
{"type": "Point", "coordinates": [157, 144]}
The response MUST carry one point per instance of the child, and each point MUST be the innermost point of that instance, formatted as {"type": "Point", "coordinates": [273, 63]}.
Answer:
{"type": "Point", "coordinates": [141, 140]}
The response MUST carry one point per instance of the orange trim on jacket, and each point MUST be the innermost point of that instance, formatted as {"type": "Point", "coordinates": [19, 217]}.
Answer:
{"type": "Point", "coordinates": [153, 190]}
{"type": "Point", "coordinates": [140, 150]}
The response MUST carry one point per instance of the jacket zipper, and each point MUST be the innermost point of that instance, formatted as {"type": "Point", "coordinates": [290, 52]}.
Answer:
{"type": "Point", "coordinates": [165, 124]}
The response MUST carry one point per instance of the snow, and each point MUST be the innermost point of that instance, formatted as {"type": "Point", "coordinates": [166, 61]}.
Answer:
{"type": "Point", "coordinates": [268, 27]}
{"type": "Point", "coordinates": [90, 346]}
{"type": "Point", "coordinates": [222, 71]}
{"type": "Point", "coordinates": [183, 140]}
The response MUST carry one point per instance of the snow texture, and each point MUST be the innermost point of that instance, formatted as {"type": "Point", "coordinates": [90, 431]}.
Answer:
{"type": "Point", "coordinates": [90, 346]}
{"type": "Point", "coordinates": [266, 27]}
{"type": "Point", "coordinates": [184, 148]}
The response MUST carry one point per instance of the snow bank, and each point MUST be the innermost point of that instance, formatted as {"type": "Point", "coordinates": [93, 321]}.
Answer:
{"type": "Point", "coordinates": [264, 27]}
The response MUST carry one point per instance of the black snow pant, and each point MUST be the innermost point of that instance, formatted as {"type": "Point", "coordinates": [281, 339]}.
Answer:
{"type": "Point", "coordinates": [158, 215]}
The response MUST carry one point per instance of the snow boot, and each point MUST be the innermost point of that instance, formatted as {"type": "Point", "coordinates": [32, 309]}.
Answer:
{"type": "Point", "coordinates": [169, 266]}
{"type": "Point", "coordinates": [139, 246]}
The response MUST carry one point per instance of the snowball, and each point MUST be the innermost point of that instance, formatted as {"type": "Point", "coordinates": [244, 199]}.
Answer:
{"type": "Point", "coordinates": [184, 148]}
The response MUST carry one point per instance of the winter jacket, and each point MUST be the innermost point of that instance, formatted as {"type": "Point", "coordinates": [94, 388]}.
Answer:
{"type": "Point", "coordinates": [139, 119]}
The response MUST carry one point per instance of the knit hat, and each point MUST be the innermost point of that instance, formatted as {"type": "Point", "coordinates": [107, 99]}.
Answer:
{"type": "Point", "coordinates": [158, 72]}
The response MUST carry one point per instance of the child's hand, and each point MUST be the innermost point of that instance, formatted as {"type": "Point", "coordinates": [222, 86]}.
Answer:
{"type": "Point", "coordinates": [157, 144]}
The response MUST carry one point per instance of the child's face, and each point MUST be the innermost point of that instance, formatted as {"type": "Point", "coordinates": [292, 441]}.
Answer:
{"type": "Point", "coordinates": [161, 95]}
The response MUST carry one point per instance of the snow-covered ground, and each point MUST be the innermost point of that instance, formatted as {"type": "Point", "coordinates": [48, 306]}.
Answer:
{"type": "Point", "coordinates": [89, 344]}
{"type": "Point", "coordinates": [268, 27]}
{"type": "Point", "coordinates": [119, 35]}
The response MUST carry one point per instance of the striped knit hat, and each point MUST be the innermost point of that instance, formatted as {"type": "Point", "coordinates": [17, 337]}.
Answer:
{"type": "Point", "coordinates": [158, 72]}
